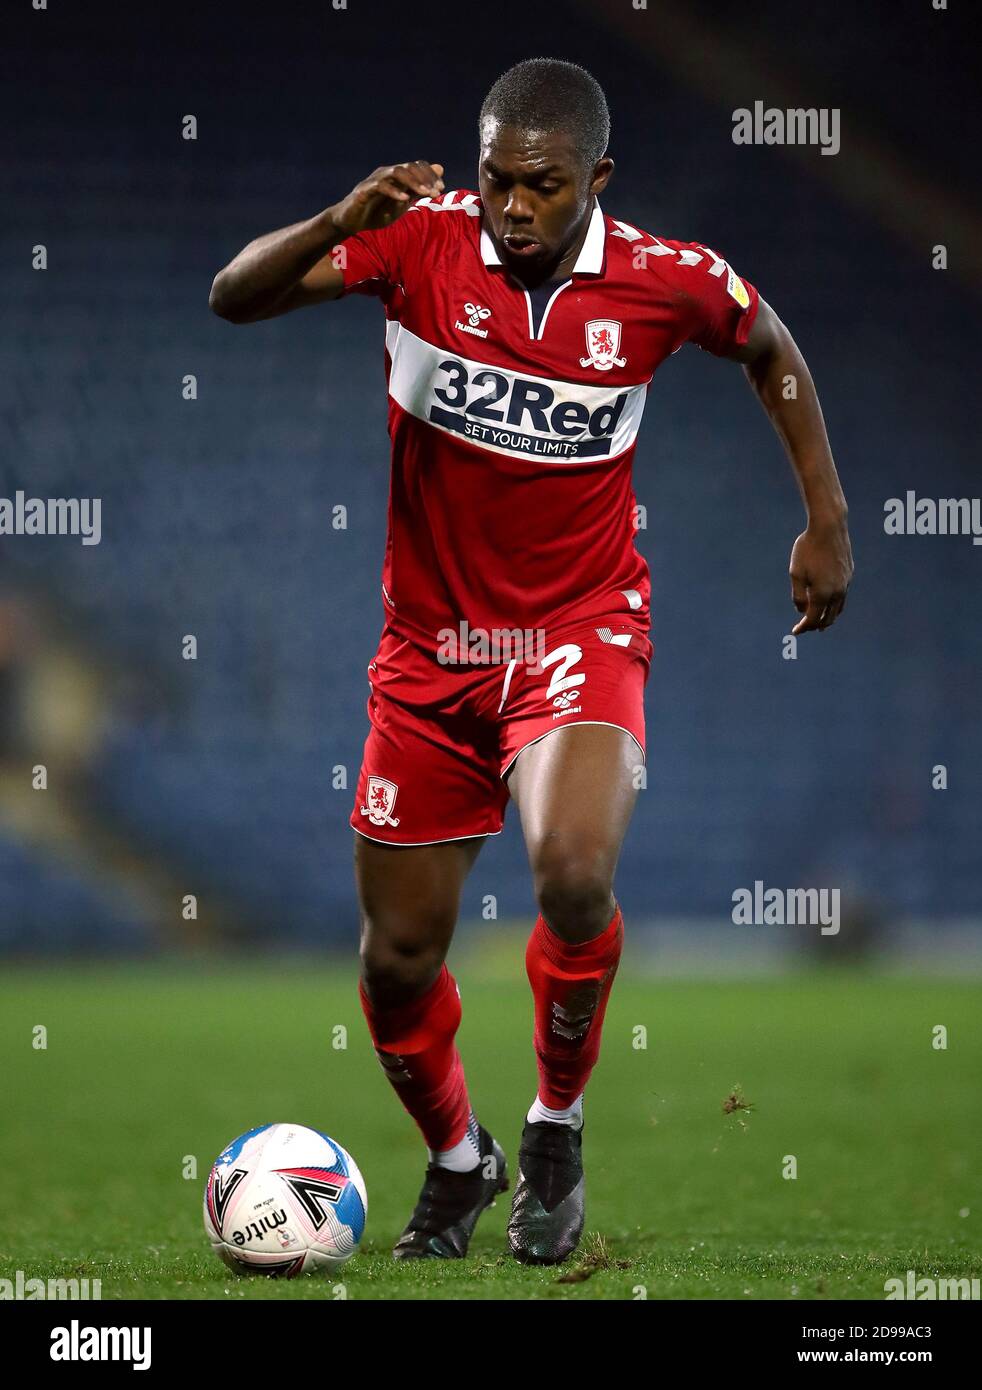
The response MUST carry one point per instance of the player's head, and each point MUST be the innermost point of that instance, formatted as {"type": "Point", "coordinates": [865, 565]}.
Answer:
{"type": "Point", "coordinates": [544, 129]}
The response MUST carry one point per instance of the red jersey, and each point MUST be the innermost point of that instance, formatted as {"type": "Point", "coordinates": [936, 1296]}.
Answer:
{"type": "Point", "coordinates": [513, 415]}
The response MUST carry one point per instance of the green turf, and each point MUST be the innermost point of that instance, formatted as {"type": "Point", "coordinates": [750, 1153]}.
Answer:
{"type": "Point", "coordinates": [146, 1066]}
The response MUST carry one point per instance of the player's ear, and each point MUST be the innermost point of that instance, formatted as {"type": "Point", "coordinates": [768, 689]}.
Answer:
{"type": "Point", "coordinates": [602, 173]}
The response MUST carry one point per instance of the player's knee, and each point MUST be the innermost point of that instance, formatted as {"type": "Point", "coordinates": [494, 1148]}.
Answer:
{"type": "Point", "coordinates": [574, 888]}
{"type": "Point", "coordinates": [399, 961]}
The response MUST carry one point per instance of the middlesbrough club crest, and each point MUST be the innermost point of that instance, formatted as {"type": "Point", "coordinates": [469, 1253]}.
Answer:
{"type": "Point", "coordinates": [603, 338]}
{"type": "Point", "coordinates": [381, 798]}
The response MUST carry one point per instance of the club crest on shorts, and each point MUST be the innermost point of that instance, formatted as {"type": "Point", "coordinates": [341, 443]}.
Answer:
{"type": "Point", "coordinates": [381, 798]}
{"type": "Point", "coordinates": [603, 338]}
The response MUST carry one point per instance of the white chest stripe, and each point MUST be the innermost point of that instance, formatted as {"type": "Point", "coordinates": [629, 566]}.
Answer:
{"type": "Point", "coordinates": [512, 413]}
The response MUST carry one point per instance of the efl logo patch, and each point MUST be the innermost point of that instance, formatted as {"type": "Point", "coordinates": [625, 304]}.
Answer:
{"type": "Point", "coordinates": [381, 798]}
{"type": "Point", "coordinates": [603, 339]}
{"type": "Point", "coordinates": [737, 289]}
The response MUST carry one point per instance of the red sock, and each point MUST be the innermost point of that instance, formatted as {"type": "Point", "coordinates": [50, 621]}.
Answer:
{"type": "Point", "coordinates": [415, 1045]}
{"type": "Point", "coordinates": [571, 985]}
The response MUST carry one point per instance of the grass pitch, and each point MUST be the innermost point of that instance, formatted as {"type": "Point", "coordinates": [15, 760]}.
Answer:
{"type": "Point", "coordinates": [149, 1071]}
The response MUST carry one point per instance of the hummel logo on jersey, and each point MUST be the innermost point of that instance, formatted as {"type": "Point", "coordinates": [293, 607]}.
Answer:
{"type": "Point", "coordinates": [603, 338]}
{"type": "Point", "coordinates": [475, 313]}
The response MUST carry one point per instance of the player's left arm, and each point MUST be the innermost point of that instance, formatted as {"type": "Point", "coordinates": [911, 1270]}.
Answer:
{"type": "Point", "coordinates": [821, 560]}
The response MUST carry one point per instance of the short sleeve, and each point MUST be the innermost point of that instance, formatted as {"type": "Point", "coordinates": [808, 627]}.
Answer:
{"type": "Point", "coordinates": [378, 262]}
{"type": "Point", "coordinates": [718, 306]}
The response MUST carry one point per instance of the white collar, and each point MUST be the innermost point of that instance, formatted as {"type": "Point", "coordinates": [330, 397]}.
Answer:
{"type": "Point", "coordinates": [590, 261]}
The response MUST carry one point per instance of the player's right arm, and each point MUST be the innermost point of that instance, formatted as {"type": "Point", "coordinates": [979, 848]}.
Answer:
{"type": "Point", "coordinates": [294, 267]}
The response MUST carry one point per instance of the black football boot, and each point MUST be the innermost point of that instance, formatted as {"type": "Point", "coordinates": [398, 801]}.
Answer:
{"type": "Point", "coordinates": [547, 1210]}
{"type": "Point", "coordinates": [449, 1204]}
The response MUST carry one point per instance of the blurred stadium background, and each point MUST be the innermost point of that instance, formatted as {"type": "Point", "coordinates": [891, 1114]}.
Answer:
{"type": "Point", "coordinates": [216, 777]}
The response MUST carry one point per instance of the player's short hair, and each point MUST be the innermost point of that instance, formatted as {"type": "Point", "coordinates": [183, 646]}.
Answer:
{"type": "Point", "coordinates": [550, 94]}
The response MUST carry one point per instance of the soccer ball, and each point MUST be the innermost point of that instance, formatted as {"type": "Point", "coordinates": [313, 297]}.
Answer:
{"type": "Point", "coordinates": [284, 1200]}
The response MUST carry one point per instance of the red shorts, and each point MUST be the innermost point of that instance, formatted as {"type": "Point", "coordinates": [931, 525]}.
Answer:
{"type": "Point", "coordinates": [443, 738]}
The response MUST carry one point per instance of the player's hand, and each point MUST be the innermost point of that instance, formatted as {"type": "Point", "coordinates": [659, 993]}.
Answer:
{"type": "Point", "coordinates": [385, 195]}
{"type": "Point", "coordinates": [821, 571]}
